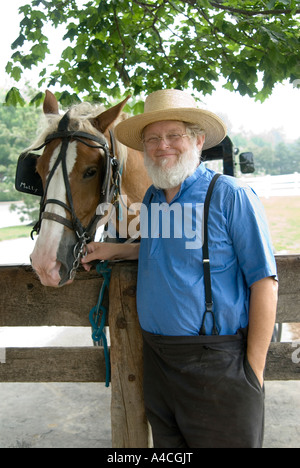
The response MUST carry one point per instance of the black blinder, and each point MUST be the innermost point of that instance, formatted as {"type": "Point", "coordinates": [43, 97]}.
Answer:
{"type": "Point", "coordinates": [27, 179]}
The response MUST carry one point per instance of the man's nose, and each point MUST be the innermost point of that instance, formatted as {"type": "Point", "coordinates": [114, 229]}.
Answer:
{"type": "Point", "coordinates": [164, 141]}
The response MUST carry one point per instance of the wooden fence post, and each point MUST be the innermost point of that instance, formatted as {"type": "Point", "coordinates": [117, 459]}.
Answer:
{"type": "Point", "coordinates": [129, 422]}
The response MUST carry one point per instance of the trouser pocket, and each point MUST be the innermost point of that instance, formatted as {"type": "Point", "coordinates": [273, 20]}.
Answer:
{"type": "Point", "coordinates": [251, 376]}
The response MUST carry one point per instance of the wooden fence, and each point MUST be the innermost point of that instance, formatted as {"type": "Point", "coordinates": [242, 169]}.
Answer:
{"type": "Point", "coordinates": [24, 302]}
{"type": "Point", "coordinates": [275, 186]}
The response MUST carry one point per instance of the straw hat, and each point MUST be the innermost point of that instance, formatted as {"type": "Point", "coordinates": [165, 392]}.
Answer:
{"type": "Point", "coordinates": [170, 104]}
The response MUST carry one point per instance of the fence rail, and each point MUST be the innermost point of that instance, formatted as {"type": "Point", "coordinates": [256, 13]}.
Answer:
{"type": "Point", "coordinates": [275, 186]}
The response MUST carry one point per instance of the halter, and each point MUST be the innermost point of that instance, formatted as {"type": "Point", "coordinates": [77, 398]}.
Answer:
{"type": "Point", "coordinates": [109, 188]}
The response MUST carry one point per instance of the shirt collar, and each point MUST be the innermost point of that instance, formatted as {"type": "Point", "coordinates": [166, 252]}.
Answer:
{"type": "Point", "coordinates": [195, 176]}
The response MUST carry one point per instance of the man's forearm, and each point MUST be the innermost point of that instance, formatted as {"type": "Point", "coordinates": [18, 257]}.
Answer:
{"type": "Point", "coordinates": [262, 315]}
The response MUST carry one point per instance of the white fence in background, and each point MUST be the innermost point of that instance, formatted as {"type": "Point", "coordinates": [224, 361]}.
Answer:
{"type": "Point", "coordinates": [275, 186]}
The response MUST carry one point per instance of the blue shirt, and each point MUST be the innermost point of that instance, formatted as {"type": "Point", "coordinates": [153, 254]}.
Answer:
{"type": "Point", "coordinates": [170, 291]}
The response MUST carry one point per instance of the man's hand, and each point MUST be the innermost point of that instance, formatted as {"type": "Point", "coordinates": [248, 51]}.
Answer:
{"type": "Point", "coordinates": [109, 251]}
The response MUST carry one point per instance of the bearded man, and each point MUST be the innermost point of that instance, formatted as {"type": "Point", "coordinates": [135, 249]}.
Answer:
{"type": "Point", "coordinates": [206, 332]}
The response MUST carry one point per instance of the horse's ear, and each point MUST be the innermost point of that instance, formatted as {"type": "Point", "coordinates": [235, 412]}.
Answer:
{"type": "Point", "coordinates": [104, 120]}
{"type": "Point", "coordinates": [50, 105]}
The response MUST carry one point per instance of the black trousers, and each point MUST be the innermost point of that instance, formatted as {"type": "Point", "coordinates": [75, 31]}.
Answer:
{"type": "Point", "coordinates": [200, 392]}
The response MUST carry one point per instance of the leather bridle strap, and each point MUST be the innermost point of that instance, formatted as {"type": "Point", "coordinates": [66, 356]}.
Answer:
{"type": "Point", "coordinates": [107, 190]}
{"type": "Point", "coordinates": [59, 219]}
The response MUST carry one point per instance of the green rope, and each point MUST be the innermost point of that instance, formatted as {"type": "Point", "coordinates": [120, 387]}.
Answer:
{"type": "Point", "coordinates": [98, 314]}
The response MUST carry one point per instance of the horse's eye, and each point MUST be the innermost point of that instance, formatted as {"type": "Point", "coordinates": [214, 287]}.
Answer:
{"type": "Point", "coordinates": [89, 173]}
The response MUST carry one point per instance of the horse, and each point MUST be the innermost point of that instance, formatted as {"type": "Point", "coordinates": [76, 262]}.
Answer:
{"type": "Point", "coordinates": [81, 168]}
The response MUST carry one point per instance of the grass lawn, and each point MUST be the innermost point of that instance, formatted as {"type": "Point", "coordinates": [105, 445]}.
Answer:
{"type": "Point", "coordinates": [15, 232]}
{"type": "Point", "coordinates": [283, 215]}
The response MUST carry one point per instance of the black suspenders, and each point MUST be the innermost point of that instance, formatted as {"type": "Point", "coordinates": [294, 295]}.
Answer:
{"type": "Point", "coordinates": [206, 264]}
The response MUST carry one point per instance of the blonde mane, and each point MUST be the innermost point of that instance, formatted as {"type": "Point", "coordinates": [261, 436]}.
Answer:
{"type": "Point", "coordinates": [81, 116]}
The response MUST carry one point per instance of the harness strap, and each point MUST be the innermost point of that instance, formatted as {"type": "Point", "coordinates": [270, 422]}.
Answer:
{"type": "Point", "coordinates": [57, 218]}
{"type": "Point", "coordinates": [206, 263]}
{"type": "Point", "coordinates": [108, 189]}
{"type": "Point", "coordinates": [76, 136]}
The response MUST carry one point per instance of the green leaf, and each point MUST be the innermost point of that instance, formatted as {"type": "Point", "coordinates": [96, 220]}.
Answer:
{"type": "Point", "coordinates": [18, 42]}
{"type": "Point", "coordinates": [67, 99]}
{"type": "Point", "coordinates": [27, 22]}
{"type": "Point", "coordinates": [13, 98]}
{"type": "Point", "coordinates": [16, 73]}
{"type": "Point", "coordinates": [270, 5]}
{"type": "Point", "coordinates": [8, 67]}
{"type": "Point", "coordinates": [68, 53]}
{"type": "Point", "coordinates": [138, 108]}
{"type": "Point", "coordinates": [38, 99]}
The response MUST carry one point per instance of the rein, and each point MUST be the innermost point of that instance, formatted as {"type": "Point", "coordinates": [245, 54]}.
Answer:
{"type": "Point", "coordinates": [109, 188]}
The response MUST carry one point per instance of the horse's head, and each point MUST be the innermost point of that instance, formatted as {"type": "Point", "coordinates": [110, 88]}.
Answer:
{"type": "Point", "coordinates": [76, 171]}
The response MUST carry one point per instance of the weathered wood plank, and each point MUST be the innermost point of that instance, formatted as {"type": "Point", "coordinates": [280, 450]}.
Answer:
{"type": "Point", "coordinates": [25, 302]}
{"type": "Point", "coordinates": [288, 310]}
{"type": "Point", "coordinates": [129, 422]}
{"type": "Point", "coordinates": [53, 365]}
{"type": "Point", "coordinates": [283, 362]}
{"type": "Point", "coordinates": [87, 364]}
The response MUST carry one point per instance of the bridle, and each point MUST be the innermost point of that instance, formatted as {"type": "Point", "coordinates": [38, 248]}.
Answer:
{"type": "Point", "coordinates": [109, 189]}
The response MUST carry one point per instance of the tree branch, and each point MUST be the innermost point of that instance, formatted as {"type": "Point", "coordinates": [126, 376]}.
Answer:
{"type": "Point", "coordinates": [147, 5]}
{"type": "Point", "coordinates": [216, 30]}
{"type": "Point", "coordinates": [251, 13]}
{"type": "Point", "coordinates": [123, 72]}
{"type": "Point", "coordinates": [155, 29]}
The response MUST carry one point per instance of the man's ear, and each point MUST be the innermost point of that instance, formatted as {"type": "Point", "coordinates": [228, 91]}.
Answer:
{"type": "Point", "coordinates": [200, 141]}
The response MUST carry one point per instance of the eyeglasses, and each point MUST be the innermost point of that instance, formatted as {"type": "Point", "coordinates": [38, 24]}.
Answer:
{"type": "Point", "coordinates": [170, 139]}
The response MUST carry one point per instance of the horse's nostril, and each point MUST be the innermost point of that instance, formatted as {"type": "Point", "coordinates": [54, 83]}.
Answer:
{"type": "Point", "coordinates": [48, 273]}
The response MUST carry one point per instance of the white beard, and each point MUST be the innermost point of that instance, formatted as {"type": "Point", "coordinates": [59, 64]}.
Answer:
{"type": "Point", "coordinates": [170, 177]}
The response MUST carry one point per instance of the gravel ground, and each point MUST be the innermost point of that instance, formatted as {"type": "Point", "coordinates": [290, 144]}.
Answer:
{"type": "Point", "coordinates": [55, 415]}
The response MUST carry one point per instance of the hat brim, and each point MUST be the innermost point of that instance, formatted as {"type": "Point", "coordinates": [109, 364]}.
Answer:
{"type": "Point", "coordinates": [129, 131]}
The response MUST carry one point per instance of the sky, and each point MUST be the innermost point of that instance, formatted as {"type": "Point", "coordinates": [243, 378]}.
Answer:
{"type": "Point", "coordinates": [281, 111]}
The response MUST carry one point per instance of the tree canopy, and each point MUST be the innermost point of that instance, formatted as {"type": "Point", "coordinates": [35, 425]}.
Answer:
{"type": "Point", "coordinates": [17, 131]}
{"type": "Point", "coordinates": [119, 46]}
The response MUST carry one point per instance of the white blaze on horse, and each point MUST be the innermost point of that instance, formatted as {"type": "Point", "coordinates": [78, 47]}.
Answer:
{"type": "Point", "coordinates": [79, 169]}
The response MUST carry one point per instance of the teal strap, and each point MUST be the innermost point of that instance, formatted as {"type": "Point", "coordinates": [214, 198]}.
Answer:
{"type": "Point", "coordinates": [98, 315]}
{"type": "Point", "coordinates": [120, 195]}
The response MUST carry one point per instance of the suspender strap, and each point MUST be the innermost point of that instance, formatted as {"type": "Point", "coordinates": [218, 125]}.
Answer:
{"type": "Point", "coordinates": [206, 264]}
